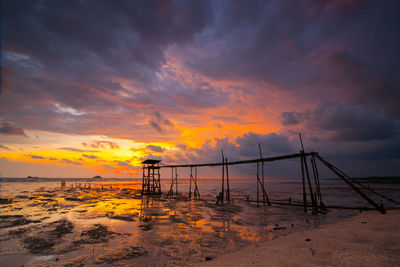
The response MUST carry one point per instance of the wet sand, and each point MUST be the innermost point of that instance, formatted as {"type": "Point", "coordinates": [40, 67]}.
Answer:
{"type": "Point", "coordinates": [370, 239]}
{"type": "Point", "coordinates": [113, 224]}
{"type": "Point", "coordinates": [108, 223]}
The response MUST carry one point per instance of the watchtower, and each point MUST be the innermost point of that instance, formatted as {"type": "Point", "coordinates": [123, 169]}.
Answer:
{"type": "Point", "coordinates": [151, 177]}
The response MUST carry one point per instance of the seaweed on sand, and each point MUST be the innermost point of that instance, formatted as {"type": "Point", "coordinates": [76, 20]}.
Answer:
{"type": "Point", "coordinates": [44, 242]}
{"type": "Point", "coordinates": [62, 227]}
{"type": "Point", "coordinates": [36, 244]}
{"type": "Point", "coordinates": [122, 217]}
{"type": "Point", "coordinates": [97, 234]}
{"type": "Point", "coordinates": [7, 221]}
{"type": "Point", "coordinates": [121, 254]}
{"type": "Point", "coordinates": [5, 201]}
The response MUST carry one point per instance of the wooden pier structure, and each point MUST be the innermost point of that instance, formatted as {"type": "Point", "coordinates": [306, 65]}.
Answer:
{"type": "Point", "coordinates": [151, 183]}
{"type": "Point", "coordinates": [312, 196]}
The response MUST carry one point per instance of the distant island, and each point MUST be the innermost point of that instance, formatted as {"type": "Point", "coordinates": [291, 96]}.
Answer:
{"type": "Point", "coordinates": [97, 177]}
{"type": "Point", "coordinates": [32, 177]}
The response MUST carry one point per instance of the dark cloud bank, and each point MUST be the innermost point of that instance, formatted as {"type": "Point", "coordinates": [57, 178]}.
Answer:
{"type": "Point", "coordinates": [65, 63]}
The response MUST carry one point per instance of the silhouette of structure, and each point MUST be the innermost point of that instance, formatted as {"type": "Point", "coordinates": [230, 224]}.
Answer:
{"type": "Point", "coordinates": [311, 187]}
{"type": "Point", "coordinates": [151, 183]}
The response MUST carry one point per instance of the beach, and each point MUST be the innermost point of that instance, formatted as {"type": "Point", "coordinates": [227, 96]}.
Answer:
{"type": "Point", "coordinates": [369, 239]}
{"type": "Point", "coordinates": [109, 222]}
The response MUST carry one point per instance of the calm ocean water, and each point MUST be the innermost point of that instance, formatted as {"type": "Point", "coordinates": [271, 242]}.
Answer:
{"type": "Point", "coordinates": [334, 191]}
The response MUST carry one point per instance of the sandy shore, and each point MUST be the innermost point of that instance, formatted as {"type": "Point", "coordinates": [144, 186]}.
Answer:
{"type": "Point", "coordinates": [370, 239]}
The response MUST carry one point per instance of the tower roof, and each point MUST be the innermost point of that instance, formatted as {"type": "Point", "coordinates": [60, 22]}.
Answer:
{"type": "Point", "coordinates": [151, 161]}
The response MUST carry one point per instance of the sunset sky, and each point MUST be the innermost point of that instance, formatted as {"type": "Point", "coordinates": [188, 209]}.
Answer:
{"type": "Point", "coordinates": [95, 87]}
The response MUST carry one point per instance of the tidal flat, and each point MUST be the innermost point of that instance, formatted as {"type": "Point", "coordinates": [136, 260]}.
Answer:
{"type": "Point", "coordinates": [112, 223]}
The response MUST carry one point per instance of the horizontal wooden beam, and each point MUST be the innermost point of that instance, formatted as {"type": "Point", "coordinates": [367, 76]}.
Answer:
{"type": "Point", "coordinates": [241, 161]}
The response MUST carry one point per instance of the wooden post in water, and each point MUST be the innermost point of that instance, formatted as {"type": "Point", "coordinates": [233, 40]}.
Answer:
{"type": "Point", "coordinates": [190, 185]}
{"type": "Point", "coordinates": [228, 192]}
{"type": "Point", "coordinates": [143, 184]}
{"type": "Point", "coordinates": [262, 173]}
{"type": "Point", "coordinates": [317, 183]}
{"type": "Point", "coordinates": [304, 185]}
{"type": "Point", "coordinates": [313, 201]}
{"type": "Point", "coordinates": [302, 173]}
{"type": "Point", "coordinates": [223, 178]}
{"type": "Point", "coordinates": [258, 180]}
{"type": "Point", "coordinates": [176, 180]}
{"type": "Point", "coordinates": [196, 192]}
{"type": "Point", "coordinates": [171, 191]}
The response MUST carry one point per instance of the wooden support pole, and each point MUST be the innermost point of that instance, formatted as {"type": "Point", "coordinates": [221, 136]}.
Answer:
{"type": "Point", "coordinates": [151, 175]}
{"type": "Point", "coordinates": [223, 177]}
{"type": "Point", "coordinates": [262, 174]}
{"type": "Point", "coordinates": [228, 193]}
{"type": "Point", "coordinates": [176, 180]}
{"type": "Point", "coordinates": [196, 192]}
{"type": "Point", "coordinates": [301, 142]}
{"type": "Point", "coordinates": [258, 181]}
{"type": "Point", "coordinates": [171, 191]}
{"type": "Point", "coordinates": [304, 185]}
{"type": "Point", "coordinates": [190, 185]}
{"type": "Point", "coordinates": [143, 185]}
{"type": "Point", "coordinates": [158, 178]}
{"type": "Point", "coordinates": [380, 208]}
{"type": "Point", "coordinates": [305, 168]}
{"type": "Point", "coordinates": [313, 201]}
{"type": "Point", "coordinates": [316, 177]}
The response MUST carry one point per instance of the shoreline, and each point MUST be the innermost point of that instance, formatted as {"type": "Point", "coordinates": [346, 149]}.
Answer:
{"type": "Point", "coordinates": [368, 239]}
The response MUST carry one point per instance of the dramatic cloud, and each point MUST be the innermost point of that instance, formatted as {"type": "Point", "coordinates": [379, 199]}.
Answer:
{"type": "Point", "coordinates": [89, 156]}
{"type": "Point", "coordinates": [159, 123]}
{"type": "Point", "coordinates": [71, 162]}
{"type": "Point", "coordinates": [291, 118]}
{"type": "Point", "coordinates": [9, 129]}
{"type": "Point", "coordinates": [189, 78]}
{"type": "Point", "coordinates": [77, 149]}
{"type": "Point", "coordinates": [155, 148]}
{"type": "Point", "coordinates": [109, 73]}
{"type": "Point", "coordinates": [108, 167]}
{"type": "Point", "coordinates": [102, 144]}
{"type": "Point", "coordinates": [4, 147]}
{"type": "Point", "coordinates": [352, 122]}
{"type": "Point", "coordinates": [367, 84]}
{"type": "Point", "coordinates": [35, 157]}
{"type": "Point", "coordinates": [122, 163]}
